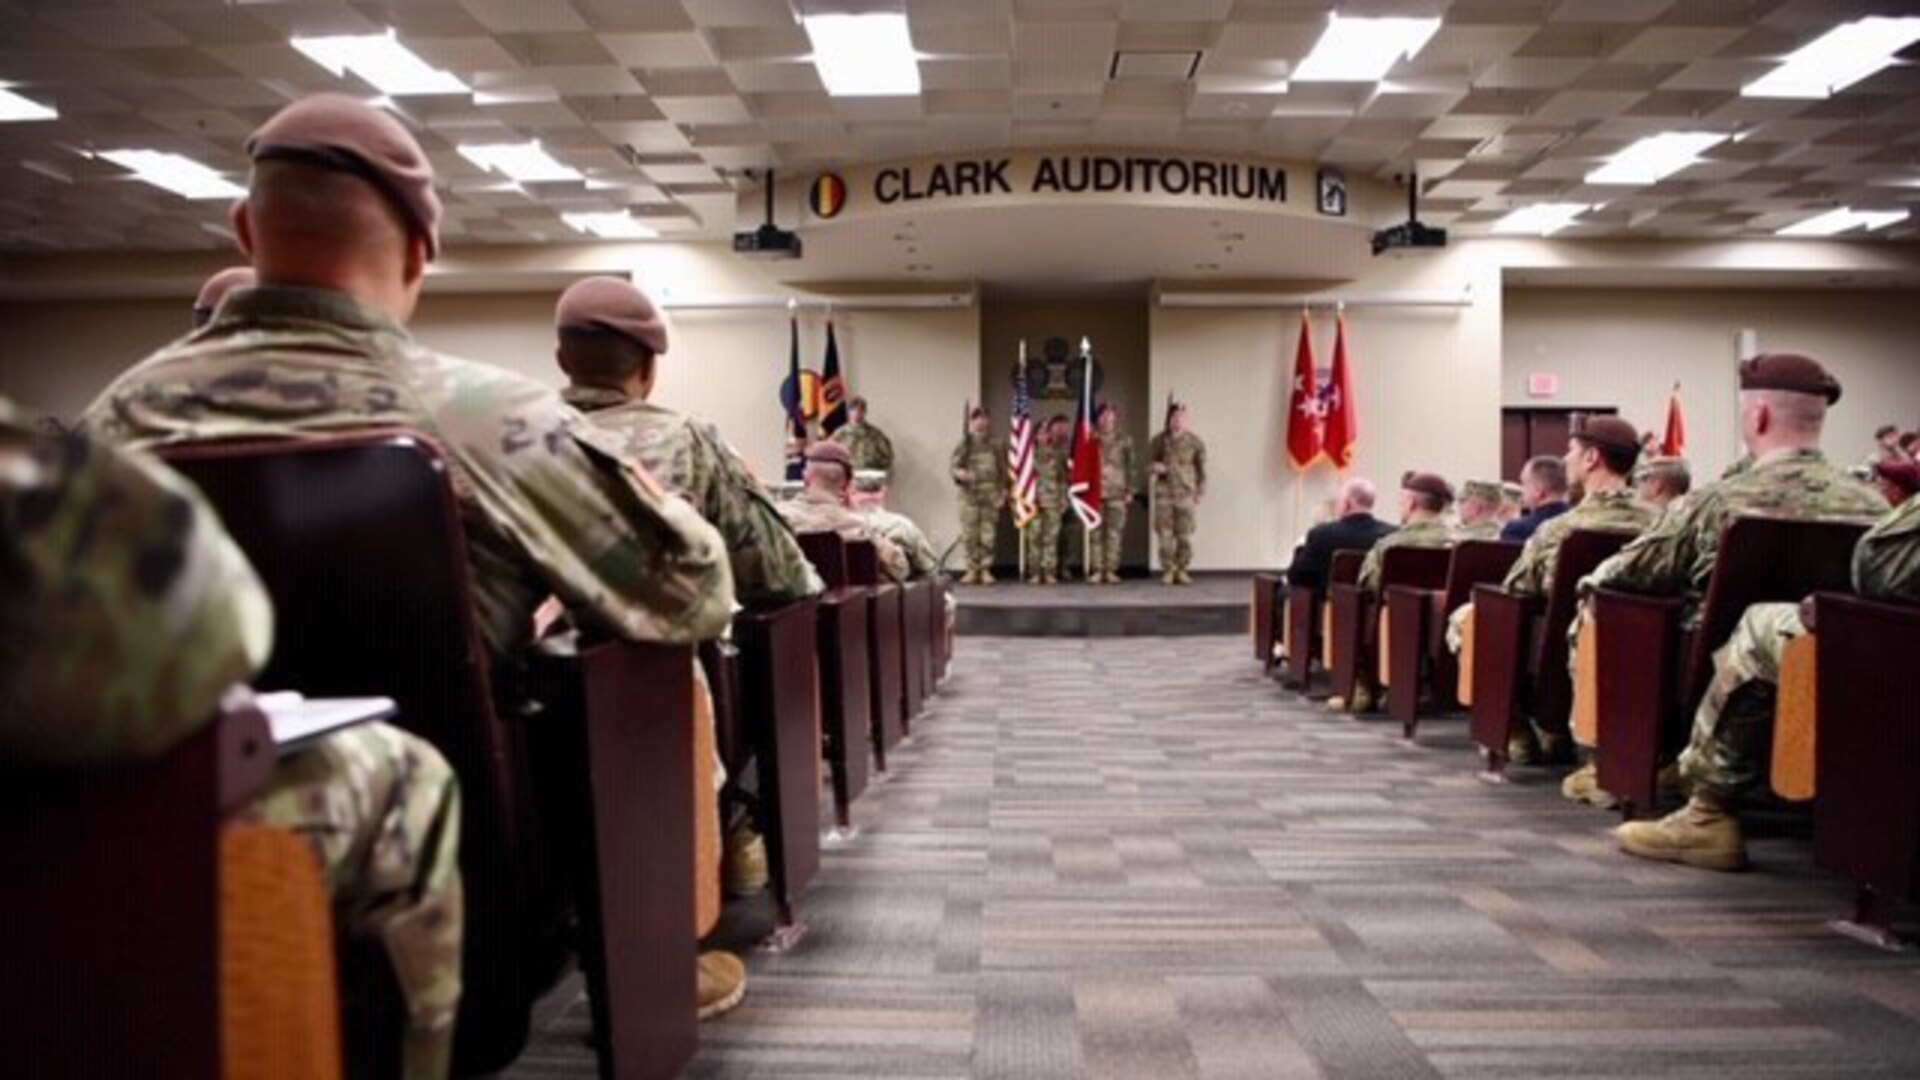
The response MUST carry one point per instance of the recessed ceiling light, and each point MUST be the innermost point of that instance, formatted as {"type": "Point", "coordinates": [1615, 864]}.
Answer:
{"type": "Point", "coordinates": [1837, 59]}
{"type": "Point", "coordinates": [181, 175]}
{"type": "Point", "coordinates": [1540, 219]}
{"type": "Point", "coordinates": [615, 225]}
{"type": "Point", "coordinates": [1655, 157]}
{"type": "Point", "coordinates": [864, 55]}
{"type": "Point", "coordinates": [1363, 50]}
{"type": "Point", "coordinates": [14, 107]}
{"type": "Point", "coordinates": [381, 60]}
{"type": "Point", "coordinates": [1838, 221]}
{"type": "Point", "coordinates": [524, 163]}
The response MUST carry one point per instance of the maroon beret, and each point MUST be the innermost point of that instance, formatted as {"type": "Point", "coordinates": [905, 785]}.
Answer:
{"type": "Point", "coordinates": [1428, 484]}
{"type": "Point", "coordinates": [335, 131]}
{"type": "Point", "coordinates": [218, 286]}
{"type": "Point", "coordinates": [1904, 475]}
{"type": "Point", "coordinates": [831, 453]}
{"type": "Point", "coordinates": [1608, 431]}
{"type": "Point", "coordinates": [616, 305]}
{"type": "Point", "coordinates": [1789, 372]}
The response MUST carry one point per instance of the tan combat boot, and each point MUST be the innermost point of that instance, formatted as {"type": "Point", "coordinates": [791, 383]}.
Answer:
{"type": "Point", "coordinates": [1700, 833]}
{"type": "Point", "coordinates": [1363, 701]}
{"type": "Point", "coordinates": [1523, 747]}
{"type": "Point", "coordinates": [1336, 703]}
{"type": "Point", "coordinates": [1583, 785]}
{"type": "Point", "coordinates": [1171, 577]}
{"type": "Point", "coordinates": [986, 576]}
{"type": "Point", "coordinates": [743, 867]}
{"type": "Point", "coordinates": [722, 985]}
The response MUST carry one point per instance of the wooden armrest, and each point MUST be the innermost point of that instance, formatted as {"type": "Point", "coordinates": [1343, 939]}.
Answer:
{"type": "Point", "coordinates": [1796, 722]}
{"type": "Point", "coordinates": [279, 1002]}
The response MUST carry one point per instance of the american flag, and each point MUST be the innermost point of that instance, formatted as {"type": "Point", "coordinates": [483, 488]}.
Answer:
{"type": "Point", "coordinates": [1020, 449]}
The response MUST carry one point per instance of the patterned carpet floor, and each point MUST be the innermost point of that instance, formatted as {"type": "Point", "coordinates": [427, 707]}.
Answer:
{"type": "Point", "coordinates": [1137, 858]}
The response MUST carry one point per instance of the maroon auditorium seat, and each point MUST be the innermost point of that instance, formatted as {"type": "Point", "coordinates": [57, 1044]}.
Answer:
{"type": "Point", "coordinates": [1303, 607]}
{"type": "Point", "coordinates": [1418, 623]}
{"type": "Point", "coordinates": [1355, 619]}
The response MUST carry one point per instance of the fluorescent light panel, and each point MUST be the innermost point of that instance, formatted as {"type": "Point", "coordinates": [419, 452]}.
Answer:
{"type": "Point", "coordinates": [609, 226]}
{"type": "Point", "coordinates": [1363, 50]}
{"type": "Point", "coordinates": [1655, 157]}
{"type": "Point", "coordinates": [181, 175]}
{"type": "Point", "coordinates": [864, 55]}
{"type": "Point", "coordinates": [381, 60]}
{"type": "Point", "coordinates": [1841, 220]}
{"type": "Point", "coordinates": [14, 107]}
{"type": "Point", "coordinates": [1540, 219]}
{"type": "Point", "coordinates": [525, 163]}
{"type": "Point", "coordinates": [1838, 58]}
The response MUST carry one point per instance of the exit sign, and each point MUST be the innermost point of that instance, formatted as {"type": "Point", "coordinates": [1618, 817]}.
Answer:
{"type": "Point", "coordinates": [1543, 384]}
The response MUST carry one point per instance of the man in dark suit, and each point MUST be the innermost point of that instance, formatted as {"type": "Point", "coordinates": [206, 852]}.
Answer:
{"type": "Point", "coordinates": [1353, 529]}
{"type": "Point", "coordinates": [1545, 482]}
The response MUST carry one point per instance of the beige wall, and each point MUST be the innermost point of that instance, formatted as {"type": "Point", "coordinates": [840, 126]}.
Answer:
{"type": "Point", "coordinates": [1625, 348]}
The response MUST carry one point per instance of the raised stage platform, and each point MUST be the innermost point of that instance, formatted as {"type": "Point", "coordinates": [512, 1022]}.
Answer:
{"type": "Point", "coordinates": [1213, 604]}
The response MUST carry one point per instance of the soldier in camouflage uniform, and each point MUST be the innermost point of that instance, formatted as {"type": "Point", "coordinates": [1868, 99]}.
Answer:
{"type": "Point", "coordinates": [1662, 482]}
{"type": "Point", "coordinates": [870, 447]}
{"type": "Point", "coordinates": [823, 507]}
{"type": "Point", "coordinates": [869, 500]}
{"type": "Point", "coordinates": [342, 202]}
{"type": "Point", "coordinates": [1477, 515]}
{"type": "Point", "coordinates": [1783, 406]}
{"type": "Point", "coordinates": [1119, 477]}
{"type": "Point", "coordinates": [979, 469]}
{"type": "Point", "coordinates": [1179, 484]}
{"type": "Point", "coordinates": [127, 615]}
{"type": "Point", "coordinates": [1053, 471]}
{"type": "Point", "coordinates": [216, 289]}
{"type": "Point", "coordinates": [1424, 498]}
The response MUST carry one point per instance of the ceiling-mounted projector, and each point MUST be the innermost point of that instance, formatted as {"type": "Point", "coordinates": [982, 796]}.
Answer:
{"type": "Point", "coordinates": [769, 240]}
{"type": "Point", "coordinates": [1411, 233]}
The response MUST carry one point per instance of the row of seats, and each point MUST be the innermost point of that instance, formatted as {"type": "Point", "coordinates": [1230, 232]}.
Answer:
{"type": "Point", "coordinates": [164, 935]}
{"type": "Point", "coordinates": [1842, 739]}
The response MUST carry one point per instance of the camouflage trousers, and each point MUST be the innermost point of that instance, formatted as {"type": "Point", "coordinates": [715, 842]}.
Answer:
{"type": "Point", "coordinates": [1173, 527]}
{"type": "Point", "coordinates": [1457, 628]}
{"type": "Point", "coordinates": [1042, 540]}
{"type": "Point", "coordinates": [979, 522]}
{"type": "Point", "coordinates": [1107, 538]}
{"type": "Point", "coordinates": [381, 810]}
{"type": "Point", "coordinates": [1736, 717]}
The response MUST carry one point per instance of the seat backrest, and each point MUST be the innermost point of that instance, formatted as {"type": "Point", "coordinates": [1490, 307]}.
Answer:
{"type": "Point", "coordinates": [1477, 562]}
{"type": "Point", "coordinates": [863, 563]}
{"type": "Point", "coordinates": [828, 554]}
{"type": "Point", "coordinates": [1581, 552]}
{"type": "Point", "coordinates": [1422, 568]}
{"type": "Point", "coordinates": [1345, 568]}
{"type": "Point", "coordinates": [1766, 560]}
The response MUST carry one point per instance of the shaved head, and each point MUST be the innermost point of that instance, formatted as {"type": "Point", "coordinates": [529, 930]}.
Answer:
{"type": "Point", "coordinates": [1357, 496]}
{"type": "Point", "coordinates": [313, 227]}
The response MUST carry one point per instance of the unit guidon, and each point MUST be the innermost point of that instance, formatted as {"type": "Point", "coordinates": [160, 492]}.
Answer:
{"type": "Point", "coordinates": [1082, 174]}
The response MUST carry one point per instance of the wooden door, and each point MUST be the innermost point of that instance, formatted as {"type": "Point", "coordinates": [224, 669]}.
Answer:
{"type": "Point", "coordinates": [1528, 432]}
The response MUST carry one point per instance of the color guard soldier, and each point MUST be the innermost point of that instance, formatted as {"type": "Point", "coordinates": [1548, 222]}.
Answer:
{"type": "Point", "coordinates": [1119, 480]}
{"type": "Point", "coordinates": [870, 447]}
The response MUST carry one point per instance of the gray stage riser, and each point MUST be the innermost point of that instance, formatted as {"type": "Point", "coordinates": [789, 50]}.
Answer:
{"type": "Point", "coordinates": [1107, 621]}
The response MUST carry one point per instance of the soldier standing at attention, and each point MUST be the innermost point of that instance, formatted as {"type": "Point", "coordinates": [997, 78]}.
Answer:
{"type": "Point", "coordinates": [870, 447]}
{"type": "Point", "coordinates": [979, 469]}
{"type": "Point", "coordinates": [1476, 518]}
{"type": "Point", "coordinates": [1053, 471]}
{"type": "Point", "coordinates": [1179, 483]}
{"type": "Point", "coordinates": [127, 614]}
{"type": "Point", "coordinates": [823, 507]}
{"type": "Point", "coordinates": [340, 222]}
{"type": "Point", "coordinates": [1784, 399]}
{"type": "Point", "coordinates": [611, 336]}
{"type": "Point", "coordinates": [1119, 471]}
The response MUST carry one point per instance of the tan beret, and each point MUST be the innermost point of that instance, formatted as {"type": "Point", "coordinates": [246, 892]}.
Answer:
{"type": "Point", "coordinates": [1428, 484]}
{"type": "Point", "coordinates": [335, 131]}
{"type": "Point", "coordinates": [1791, 373]}
{"type": "Point", "coordinates": [613, 304]}
{"type": "Point", "coordinates": [831, 453]}
{"type": "Point", "coordinates": [216, 289]}
{"type": "Point", "coordinates": [1511, 492]}
{"type": "Point", "coordinates": [1484, 490]}
{"type": "Point", "coordinates": [1608, 431]}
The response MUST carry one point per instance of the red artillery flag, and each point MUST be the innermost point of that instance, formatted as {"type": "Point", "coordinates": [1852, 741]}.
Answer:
{"type": "Point", "coordinates": [1341, 434]}
{"type": "Point", "coordinates": [1675, 443]}
{"type": "Point", "coordinates": [1023, 484]}
{"type": "Point", "coordinates": [1303, 403]}
{"type": "Point", "coordinates": [1084, 488]}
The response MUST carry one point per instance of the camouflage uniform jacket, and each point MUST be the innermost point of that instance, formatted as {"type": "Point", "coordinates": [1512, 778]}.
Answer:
{"type": "Point", "coordinates": [1429, 533]}
{"type": "Point", "coordinates": [691, 459]}
{"type": "Point", "coordinates": [922, 560]}
{"type": "Point", "coordinates": [1185, 456]}
{"type": "Point", "coordinates": [870, 447]}
{"type": "Point", "coordinates": [549, 506]}
{"type": "Point", "coordinates": [1886, 563]}
{"type": "Point", "coordinates": [1609, 511]}
{"type": "Point", "coordinates": [811, 511]}
{"type": "Point", "coordinates": [152, 610]}
{"type": "Point", "coordinates": [1675, 558]}
{"type": "Point", "coordinates": [1052, 472]}
{"type": "Point", "coordinates": [985, 457]}
{"type": "Point", "coordinates": [1485, 529]}
{"type": "Point", "coordinates": [1119, 468]}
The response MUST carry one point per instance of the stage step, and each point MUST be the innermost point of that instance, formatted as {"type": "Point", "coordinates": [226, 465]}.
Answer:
{"type": "Point", "coordinates": [1213, 605]}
